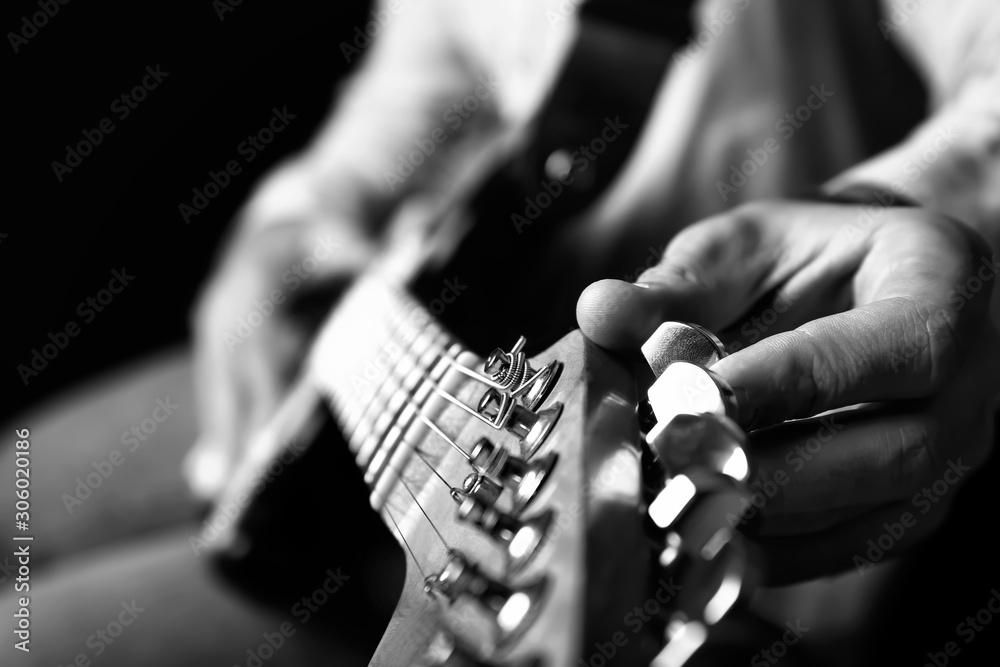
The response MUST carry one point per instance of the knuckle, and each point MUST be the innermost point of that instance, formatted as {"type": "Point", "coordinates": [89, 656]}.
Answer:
{"type": "Point", "coordinates": [824, 371]}
{"type": "Point", "coordinates": [914, 443]}
{"type": "Point", "coordinates": [936, 332]}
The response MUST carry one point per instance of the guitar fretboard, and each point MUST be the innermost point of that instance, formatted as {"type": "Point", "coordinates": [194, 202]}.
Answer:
{"type": "Point", "coordinates": [383, 362]}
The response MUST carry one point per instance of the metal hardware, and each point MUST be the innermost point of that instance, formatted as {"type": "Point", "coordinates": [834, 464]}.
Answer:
{"type": "Point", "coordinates": [521, 539]}
{"type": "Point", "coordinates": [674, 341]}
{"type": "Point", "coordinates": [513, 608]}
{"type": "Point", "coordinates": [522, 478]}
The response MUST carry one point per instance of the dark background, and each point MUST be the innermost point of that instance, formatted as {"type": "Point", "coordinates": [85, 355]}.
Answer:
{"type": "Point", "coordinates": [119, 208]}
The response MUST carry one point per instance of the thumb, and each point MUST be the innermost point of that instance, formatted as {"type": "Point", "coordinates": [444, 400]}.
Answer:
{"type": "Point", "coordinates": [620, 316]}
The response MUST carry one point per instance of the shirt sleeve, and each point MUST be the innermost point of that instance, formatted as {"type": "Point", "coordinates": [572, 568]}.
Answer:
{"type": "Point", "coordinates": [389, 132]}
{"type": "Point", "coordinates": [951, 162]}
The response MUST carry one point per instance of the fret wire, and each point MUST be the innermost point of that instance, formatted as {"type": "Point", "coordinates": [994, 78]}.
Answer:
{"type": "Point", "coordinates": [400, 323]}
{"type": "Point", "coordinates": [399, 475]}
{"type": "Point", "coordinates": [378, 451]}
{"type": "Point", "coordinates": [400, 386]}
{"type": "Point", "coordinates": [377, 461]}
{"type": "Point", "coordinates": [416, 562]}
{"type": "Point", "coordinates": [361, 412]}
{"type": "Point", "coordinates": [401, 327]}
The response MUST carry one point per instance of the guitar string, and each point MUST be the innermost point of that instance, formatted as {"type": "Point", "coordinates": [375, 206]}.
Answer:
{"type": "Point", "coordinates": [419, 452]}
{"type": "Point", "coordinates": [435, 386]}
{"type": "Point", "coordinates": [406, 486]}
{"type": "Point", "coordinates": [416, 561]}
{"type": "Point", "coordinates": [419, 414]}
{"type": "Point", "coordinates": [442, 355]}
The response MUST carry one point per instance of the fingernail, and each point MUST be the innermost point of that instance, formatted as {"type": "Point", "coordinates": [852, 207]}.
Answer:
{"type": "Point", "coordinates": [641, 285]}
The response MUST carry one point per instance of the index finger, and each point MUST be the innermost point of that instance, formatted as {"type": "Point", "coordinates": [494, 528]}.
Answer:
{"type": "Point", "coordinates": [905, 340]}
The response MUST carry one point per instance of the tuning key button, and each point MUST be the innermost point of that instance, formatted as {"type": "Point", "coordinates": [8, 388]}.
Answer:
{"type": "Point", "coordinates": [445, 651]}
{"type": "Point", "coordinates": [711, 589]}
{"type": "Point", "coordinates": [674, 341]}
{"type": "Point", "coordinates": [706, 440]}
{"type": "Point", "coordinates": [513, 609]}
{"type": "Point", "coordinates": [524, 479]}
{"type": "Point", "coordinates": [521, 539]}
{"type": "Point", "coordinates": [688, 389]}
{"type": "Point", "coordinates": [680, 491]}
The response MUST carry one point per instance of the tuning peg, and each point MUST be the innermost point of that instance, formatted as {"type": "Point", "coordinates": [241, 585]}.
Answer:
{"type": "Point", "coordinates": [445, 651]}
{"type": "Point", "coordinates": [521, 477]}
{"type": "Point", "coordinates": [479, 486]}
{"type": "Point", "coordinates": [531, 428]}
{"type": "Point", "coordinates": [706, 440]}
{"type": "Point", "coordinates": [521, 539]}
{"type": "Point", "coordinates": [712, 587]}
{"type": "Point", "coordinates": [512, 609]}
{"type": "Point", "coordinates": [517, 378]}
{"type": "Point", "coordinates": [686, 388]}
{"type": "Point", "coordinates": [680, 491]}
{"type": "Point", "coordinates": [674, 341]}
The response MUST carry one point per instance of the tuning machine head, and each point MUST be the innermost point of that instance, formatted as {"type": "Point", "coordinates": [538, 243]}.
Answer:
{"type": "Point", "coordinates": [521, 539]}
{"type": "Point", "coordinates": [531, 428]}
{"type": "Point", "coordinates": [523, 478]}
{"type": "Point", "coordinates": [512, 609]}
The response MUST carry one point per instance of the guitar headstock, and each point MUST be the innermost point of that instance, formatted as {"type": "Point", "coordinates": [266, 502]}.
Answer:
{"type": "Point", "coordinates": [543, 549]}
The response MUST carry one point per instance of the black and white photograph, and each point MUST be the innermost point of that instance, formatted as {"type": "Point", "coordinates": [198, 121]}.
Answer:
{"type": "Point", "coordinates": [501, 333]}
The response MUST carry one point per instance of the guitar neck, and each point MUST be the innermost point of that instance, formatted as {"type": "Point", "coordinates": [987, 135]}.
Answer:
{"type": "Point", "coordinates": [380, 364]}
{"type": "Point", "coordinates": [385, 367]}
